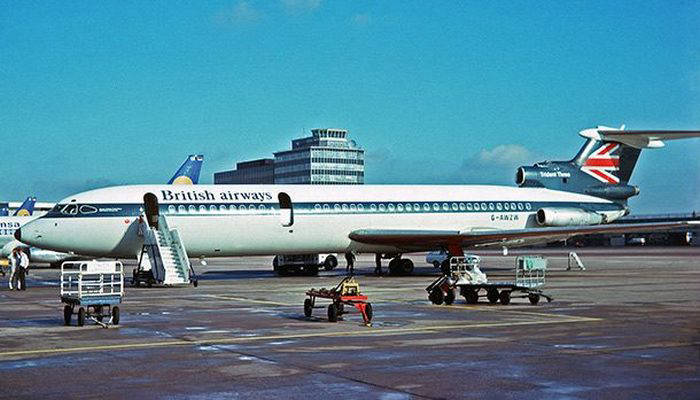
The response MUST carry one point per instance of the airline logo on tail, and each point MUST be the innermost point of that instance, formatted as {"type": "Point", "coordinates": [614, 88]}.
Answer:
{"type": "Point", "coordinates": [602, 164]}
{"type": "Point", "coordinates": [27, 208]}
{"type": "Point", "coordinates": [188, 173]}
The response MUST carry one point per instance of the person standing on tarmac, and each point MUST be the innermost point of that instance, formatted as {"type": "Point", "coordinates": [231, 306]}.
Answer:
{"type": "Point", "coordinates": [350, 259]}
{"type": "Point", "coordinates": [15, 261]}
{"type": "Point", "coordinates": [22, 269]}
{"type": "Point", "coordinates": [378, 263]}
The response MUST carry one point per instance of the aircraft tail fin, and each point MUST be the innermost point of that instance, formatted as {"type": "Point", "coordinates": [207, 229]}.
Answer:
{"type": "Point", "coordinates": [603, 166]}
{"type": "Point", "coordinates": [188, 173]}
{"type": "Point", "coordinates": [27, 208]}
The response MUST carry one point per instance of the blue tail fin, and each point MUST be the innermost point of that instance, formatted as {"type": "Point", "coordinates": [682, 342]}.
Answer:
{"type": "Point", "coordinates": [188, 174]}
{"type": "Point", "coordinates": [27, 208]}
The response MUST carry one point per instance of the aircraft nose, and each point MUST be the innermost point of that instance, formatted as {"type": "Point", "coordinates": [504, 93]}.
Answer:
{"type": "Point", "coordinates": [18, 235]}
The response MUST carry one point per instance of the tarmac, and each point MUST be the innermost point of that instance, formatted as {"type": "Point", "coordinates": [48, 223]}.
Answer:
{"type": "Point", "coordinates": [628, 327]}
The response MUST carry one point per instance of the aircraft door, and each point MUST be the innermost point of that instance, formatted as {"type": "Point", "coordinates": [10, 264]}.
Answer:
{"type": "Point", "coordinates": [286, 210]}
{"type": "Point", "coordinates": [150, 202]}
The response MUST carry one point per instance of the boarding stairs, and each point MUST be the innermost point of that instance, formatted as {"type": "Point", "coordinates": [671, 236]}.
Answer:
{"type": "Point", "coordinates": [164, 254]}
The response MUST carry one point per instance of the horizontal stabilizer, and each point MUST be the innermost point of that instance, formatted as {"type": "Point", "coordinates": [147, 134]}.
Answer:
{"type": "Point", "coordinates": [640, 139]}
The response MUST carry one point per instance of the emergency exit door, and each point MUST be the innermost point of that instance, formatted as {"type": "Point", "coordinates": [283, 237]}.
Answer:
{"type": "Point", "coordinates": [286, 210]}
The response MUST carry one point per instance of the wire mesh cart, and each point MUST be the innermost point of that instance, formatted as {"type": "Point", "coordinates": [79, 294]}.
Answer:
{"type": "Point", "coordinates": [94, 288]}
{"type": "Point", "coordinates": [465, 275]}
{"type": "Point", "coordinates": [346, 293]}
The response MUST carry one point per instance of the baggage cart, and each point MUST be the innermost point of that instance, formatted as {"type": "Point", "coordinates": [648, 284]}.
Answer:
{"type": "Point", "coordinates": [94, 288]}
{"type": "Point", "coordinates": [346, 293]}
{"type": "Point", "coordinates": [465, 275]}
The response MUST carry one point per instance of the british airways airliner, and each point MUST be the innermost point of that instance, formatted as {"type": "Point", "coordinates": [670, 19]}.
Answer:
{"type": "Point", "coordinates": [554, 200]}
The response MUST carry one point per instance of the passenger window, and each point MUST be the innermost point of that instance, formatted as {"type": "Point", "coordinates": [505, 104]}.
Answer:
{"type": "Point", "coordinates": [476, 206]}
{"type": "Point", "coordinates": [499, 206]}
{"type": "Point", "coordinates": [520, 206]}
{"type": "Point", "coordinates": [317, 207]}
{"type": "Point", "coordinates": [353, 207]}
{"type": "Point", "coordinates": [469, 206]}
{"type": "Point", "coordinates": [345, 207]}
{"type": "Point", "coordinates": [181, 209]}
{"type": "Point", "coordinates": [426, 207]}
{"type": "Point", "coordinates": [212, 208]}
{"type": "Point", "coordinates": [192, 209]}
{"type": "Point", "coordinates": [336, 207]}
{"type": "Point", "coordinates": [382, 207]}
{"type": "Point", "coordinates": [528, 206]}
{"type": "Point", "coordinates": [483, 206]}
{"type": "Point", "coordinates": [399, 207]}
{"type": "Point", "coordinates": [223, 209]}
{"type": "Point", "coordinates": [512, 206]}
{"type": "Point", "coordinates": [505, 206]}
{"type": "Point", "coordinates": [436, 207]}
{"type": "Point", "coordinates": [491, 207]}
{"type": "Point", "coordinates": [372, 207]}
{"type": "Point", "coordinates": [454, 206]}
{"type": "Point", "coordinates": [326, 207]}
{"type": "Point", "coordinates": [262, 207]}
{"type": "Point", "coordinates": [171, 209]}
{"type": "Point", "coordinates": [202, 208]}
{"type": "Point", "coordinates": [391, 207]}
{"type": "Point", "coordinates": [360, 207]}
{"type": "Point", "coordinates": [408, 207]}
{"type": "Point", "coordinates": [416, 207]}
{"type": "Point", "coordinates": [462, 206]}
{"type": "Point", "coordinates": [251, 207]}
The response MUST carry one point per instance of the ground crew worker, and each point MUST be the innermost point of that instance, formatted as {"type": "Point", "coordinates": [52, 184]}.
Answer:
{"type": "Point", "coordinates": [15, 260]}
{"type": "Point", "coordinates": [378, 263]}
{"type": "Point", "coordinates": [350, 259]}
{"type": "Point", "coordinates": [22, 270]}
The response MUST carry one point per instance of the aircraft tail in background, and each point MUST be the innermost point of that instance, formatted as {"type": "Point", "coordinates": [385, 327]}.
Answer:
{"type": "Point", "coordinates": [188, 173]}
{"type": "Point", "coordinates": [27, 208]}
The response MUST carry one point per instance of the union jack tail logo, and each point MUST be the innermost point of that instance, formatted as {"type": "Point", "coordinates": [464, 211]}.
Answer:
{"type": "Point", "coordinates": [602, 164]}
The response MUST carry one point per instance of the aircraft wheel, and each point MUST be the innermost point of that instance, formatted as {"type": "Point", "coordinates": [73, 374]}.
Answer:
{"type": "Point", "coordinates": [534, 298]}
{"type": "Point", "coordinates": [332, 313]}
{"type": "Point", "coordinates": [406, 266]}
{"type": "Point", "coordinates": [504, 297]}
{"type": "Point", "coordinates": [436, 296]}
{"type": "Point", "coordinates": [471, 296]}
{"type": "Point", "coordinates": [115, 315]}
{"type": "Point", "coordinates": [492, 295]}
{"type": "Point", "coordinates": [81, 316]}
{"type": "Point", "coordinates": [394, 266]}
{"type": "Point", "coordinates": [308, 308]}
{"type": "Point", "coordinates": [67, 314]}
{"type": "Point", "coordinates": [330, 263]}
{"type": "Point", "coordinates": [450, 297]}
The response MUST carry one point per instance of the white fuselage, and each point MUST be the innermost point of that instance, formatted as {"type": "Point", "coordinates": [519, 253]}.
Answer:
{"type": "Point", "coordinates": [233, 220]}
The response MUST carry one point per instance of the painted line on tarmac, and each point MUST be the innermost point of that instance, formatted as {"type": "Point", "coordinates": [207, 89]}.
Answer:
{"type": "Point", "coordinates": [243, 299]}
{"type": "Point", "coordinates": [358, 333]}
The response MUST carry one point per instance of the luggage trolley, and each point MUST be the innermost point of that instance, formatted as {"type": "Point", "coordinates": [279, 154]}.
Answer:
{"type": "Point", "coordinates": [347, 292]}
{"type": "Point", "coordinates": [465, 274]}
{"type": "Point", "coordinates": [95, 287]}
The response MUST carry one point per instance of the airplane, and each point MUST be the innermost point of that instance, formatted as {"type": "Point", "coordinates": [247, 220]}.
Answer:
{"type": "Point", "coordinates": [188, 173]}
{"type": "Point", "coordinates": [554, 200]}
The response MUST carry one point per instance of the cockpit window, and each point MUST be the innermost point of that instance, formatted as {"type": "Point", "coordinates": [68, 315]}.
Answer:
{"type": "Point", "coordinates": [86, 209]}
{"type": "Point", "coordinates": [70, 209]}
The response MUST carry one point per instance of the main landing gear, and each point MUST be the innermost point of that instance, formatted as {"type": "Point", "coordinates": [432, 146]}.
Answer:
{"type": "Point", "coordinates": [400, 266]}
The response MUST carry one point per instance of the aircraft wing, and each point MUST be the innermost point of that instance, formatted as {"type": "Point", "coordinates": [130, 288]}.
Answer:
{"type": "Point", "coordinates": [426, 240]}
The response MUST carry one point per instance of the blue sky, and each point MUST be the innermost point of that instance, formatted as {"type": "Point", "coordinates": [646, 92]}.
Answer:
{"type": "Point", "coordinates": [99, 93]}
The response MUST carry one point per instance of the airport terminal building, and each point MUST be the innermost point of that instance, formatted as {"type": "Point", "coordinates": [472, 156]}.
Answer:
{"type": "Point", "coordinates": [327, 157]}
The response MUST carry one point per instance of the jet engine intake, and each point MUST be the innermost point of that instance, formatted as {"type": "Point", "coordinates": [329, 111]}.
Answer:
{"type": "Point", "coordinates": [552, 216]}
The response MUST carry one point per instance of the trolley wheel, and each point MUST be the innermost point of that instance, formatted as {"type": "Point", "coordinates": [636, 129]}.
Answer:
{"type": "Point", "coordinates": [492, 295]}
{"type": "Point", "coordinates": [504, 296]}
{"type": "Point", "coordinates": [81, 316]}
{"type": "Point", "coordinates": [534, 298]}
{"type": "Point", "coordinates": [471, 296]}
{"type": "Point", "coordinates": [406, 266]}
{"type": "Point", "coordinates": [308, 308]}
{"type": "Point", "coordinates": [98, 312]}
{"type": "Point", "coordinates": [436, 296]}
{"type": "Point", "coordinates": [115, 315]}
{"type": "Point", "coordinates": [332, 313]}
{"type": "Point", "coordinates": [368, 311]}
{"type": "Point", "coordinates": [450, 297]}
{"type": "Point", "coordinates": [67, 314]}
